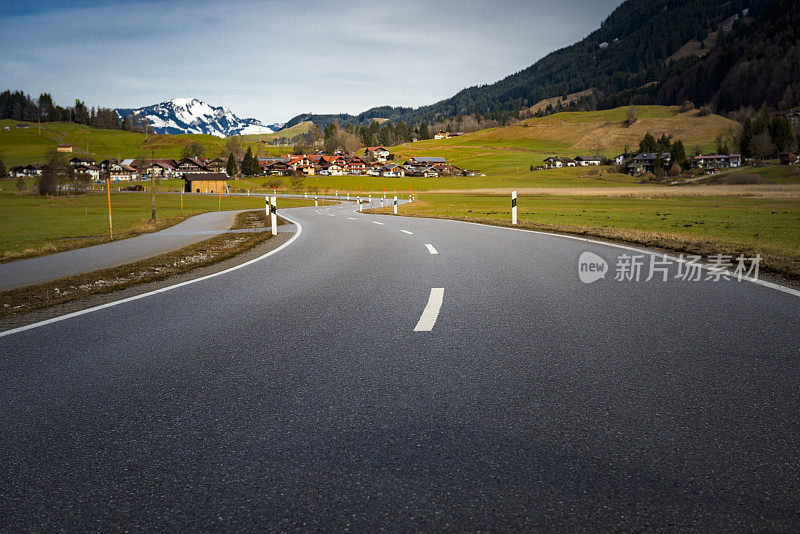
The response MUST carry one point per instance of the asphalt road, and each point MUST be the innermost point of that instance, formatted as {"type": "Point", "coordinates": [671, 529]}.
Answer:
{"type": "Point", "coordinates": [295, 394]}
{"type": "Point", "coordinates": [42, 269]}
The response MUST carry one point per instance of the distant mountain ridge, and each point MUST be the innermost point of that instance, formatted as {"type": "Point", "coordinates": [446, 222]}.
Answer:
{"type": "Point", "coordinates": [191, 115]}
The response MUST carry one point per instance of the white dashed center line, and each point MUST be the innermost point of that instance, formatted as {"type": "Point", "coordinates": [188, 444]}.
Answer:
{"type": "Point", "coordinates": [352, 218]}
{"type": "Point", "coordinates": [376, 222]}
{"type": "Point", "coordinates": [430, 248]}
{"type": "Point", "coordinates": [431, 311]}
{"type": "Point", "coordinates": [407, 232]}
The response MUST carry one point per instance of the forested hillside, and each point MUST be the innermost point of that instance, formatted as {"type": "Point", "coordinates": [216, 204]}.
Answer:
{"type": "Point", "coordinates": [756, 64]}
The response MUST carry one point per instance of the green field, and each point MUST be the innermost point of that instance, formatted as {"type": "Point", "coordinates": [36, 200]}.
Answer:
{"type": "Point", "coordinates": [42, 224]}
{"type": "Point", "coordinates": [702, 224]}
{"type": "Point", "coordinates": [509, 150]}
{"type": "Point", "coordinates": [23, 146]}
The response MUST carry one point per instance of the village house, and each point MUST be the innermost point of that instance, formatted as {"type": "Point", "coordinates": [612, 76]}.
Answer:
{"type": "Point", "coordinates": [22, 126]}
{"type": "Point", "coordinates": [159, 170]}
{"type": "Point", "coordinates": [447, 169]}
{"type": "Point", "coordinates": [556, 162]}
{"type": "Point", "coordinates": [393, 170]}
{"type": "Point", "coordinates": [275, 166]}
{"type": "Point", "coordinates": [584, 161]}
{"type": "Point", "coordinates": [91, 171]}
{"type": "Point", "coordinates": [355, 165]}
{"type": "Point", "coordinates": [63, 147]}
{"type": "Point", "coordinates": [334, 165]}
{"type": "Point", "coordinates": [425, 161]}
{"type": "Point", "coordinates": [205, 182]}
{"type": "Point", "coordinates": [80, 161]}
{"type": "Point", "coordinates": [25, 171]}
{"type": "Point", "coordinates": [716, 161]}
{"type": "Point", "coordinates": [117, 172]}
{"type": "Point", "coordinates": [447, 135]}
{"type": "Point", "coordinates": [622, 158]}
{"type": "Point", "coordinates": [378, 153]}
{"type": "Point", "coordinates": [191, 165]}
{"type": "Point", "coordinates": [646, 162]}
{"type": "Point", "coordinates": [218, 165]}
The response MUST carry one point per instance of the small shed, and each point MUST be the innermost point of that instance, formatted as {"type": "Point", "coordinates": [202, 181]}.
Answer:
{"type": "Point", "coordinates": [205, 182]}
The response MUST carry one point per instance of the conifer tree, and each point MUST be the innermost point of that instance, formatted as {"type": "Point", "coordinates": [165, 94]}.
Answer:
{"type": "Point", "coordinates": [232, 167]}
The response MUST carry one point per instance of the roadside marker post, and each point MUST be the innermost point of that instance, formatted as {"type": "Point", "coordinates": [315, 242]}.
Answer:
{"type": "Point", "coordinates": [219, 205]}
{"type": "Point", "coordinates": [316, 204]}
{"type": "Point", "coordinates": [273, 215]}
{"type": "Point", "coordinates": [266, 207]}
{"type": "Point", "coordinates": [108, 191]}
{"type": "Point", "coordinates": [305, 194]}
{"type": "Point", "coordinates": [348, 197]}
{"type": "Point", "coordinates": [514, 207]}
{"type": "Point", "coordinates": [395, 205]}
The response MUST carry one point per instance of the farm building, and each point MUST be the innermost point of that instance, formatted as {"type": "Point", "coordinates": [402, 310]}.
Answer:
{"type": "Point", "coordinates": [206, 182]}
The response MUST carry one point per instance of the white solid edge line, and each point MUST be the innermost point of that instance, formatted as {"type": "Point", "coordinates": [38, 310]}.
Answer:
{"type": "Point", "coordinates": [431, 311]}
{"type": "Point", "coordinates": [431, 249]}
{"type": "Point", "coordinates": [407, 232]}
{"type": "Point", "coordinates": [675, 259]}
{"type": "Point", "coordinates": [157, 291]}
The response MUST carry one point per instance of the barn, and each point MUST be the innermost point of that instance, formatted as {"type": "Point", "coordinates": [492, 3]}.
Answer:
{"type": "Point", "coordinates": [206, 183]}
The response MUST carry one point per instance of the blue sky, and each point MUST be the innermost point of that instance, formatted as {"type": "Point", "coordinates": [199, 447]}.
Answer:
{"type": "Point", "coordinates": [275, 59]}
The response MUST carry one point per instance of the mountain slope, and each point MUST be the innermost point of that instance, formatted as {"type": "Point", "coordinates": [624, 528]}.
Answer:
{"type": "Point", "coordinates": [758, 63]}
{"type": "Point", "coordinates": [190, 115]}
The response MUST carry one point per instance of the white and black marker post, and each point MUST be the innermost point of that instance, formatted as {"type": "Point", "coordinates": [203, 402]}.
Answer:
{"type": "Point", "coordinates": [273, 215]}
{"type": "Point", "coordinates": [514, 207]}
{"type": "Point", "coordinates": [315, 201]}
{"type": "Point", "coordinates": [395, 205]}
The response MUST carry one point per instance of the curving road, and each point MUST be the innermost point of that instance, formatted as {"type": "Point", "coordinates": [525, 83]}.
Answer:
{"type": "Point", "coordinates": [408, 374]}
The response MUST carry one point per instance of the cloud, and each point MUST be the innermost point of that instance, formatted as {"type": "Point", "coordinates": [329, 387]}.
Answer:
{"type": "Point", "coordinates": [273, 60]}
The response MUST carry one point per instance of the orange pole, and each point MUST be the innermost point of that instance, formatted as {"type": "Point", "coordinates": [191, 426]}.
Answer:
{"type": "Point", "coordinates": [219, 206]}
{"type": "Point", "coordinates": [108, 191]}
{"type": "Point", "coordinates": [181, 202]}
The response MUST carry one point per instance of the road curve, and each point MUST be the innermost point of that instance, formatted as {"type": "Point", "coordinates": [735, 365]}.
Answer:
{"type": "Point", "coordinates": [298, 393]}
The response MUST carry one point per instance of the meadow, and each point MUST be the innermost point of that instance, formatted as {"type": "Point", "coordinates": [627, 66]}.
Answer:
{"type": "Point", "coordinates": [701, 224]}
{"type": "Point", "coordinates": [23, 146]}
{"type": "Point", "coordinates": [33, 225]}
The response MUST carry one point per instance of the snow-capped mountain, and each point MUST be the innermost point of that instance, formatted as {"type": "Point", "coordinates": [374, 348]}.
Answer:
{"type": "Point", "coordinates": [190, 115]}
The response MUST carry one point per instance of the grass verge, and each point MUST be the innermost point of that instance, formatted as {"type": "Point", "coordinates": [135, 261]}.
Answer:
{"type": "Point", "coordinates": [703, 225]}
{"type": "Point", "coordinates": [204, 253]}
{"type": "Point", "coordinates": [34, 226]}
